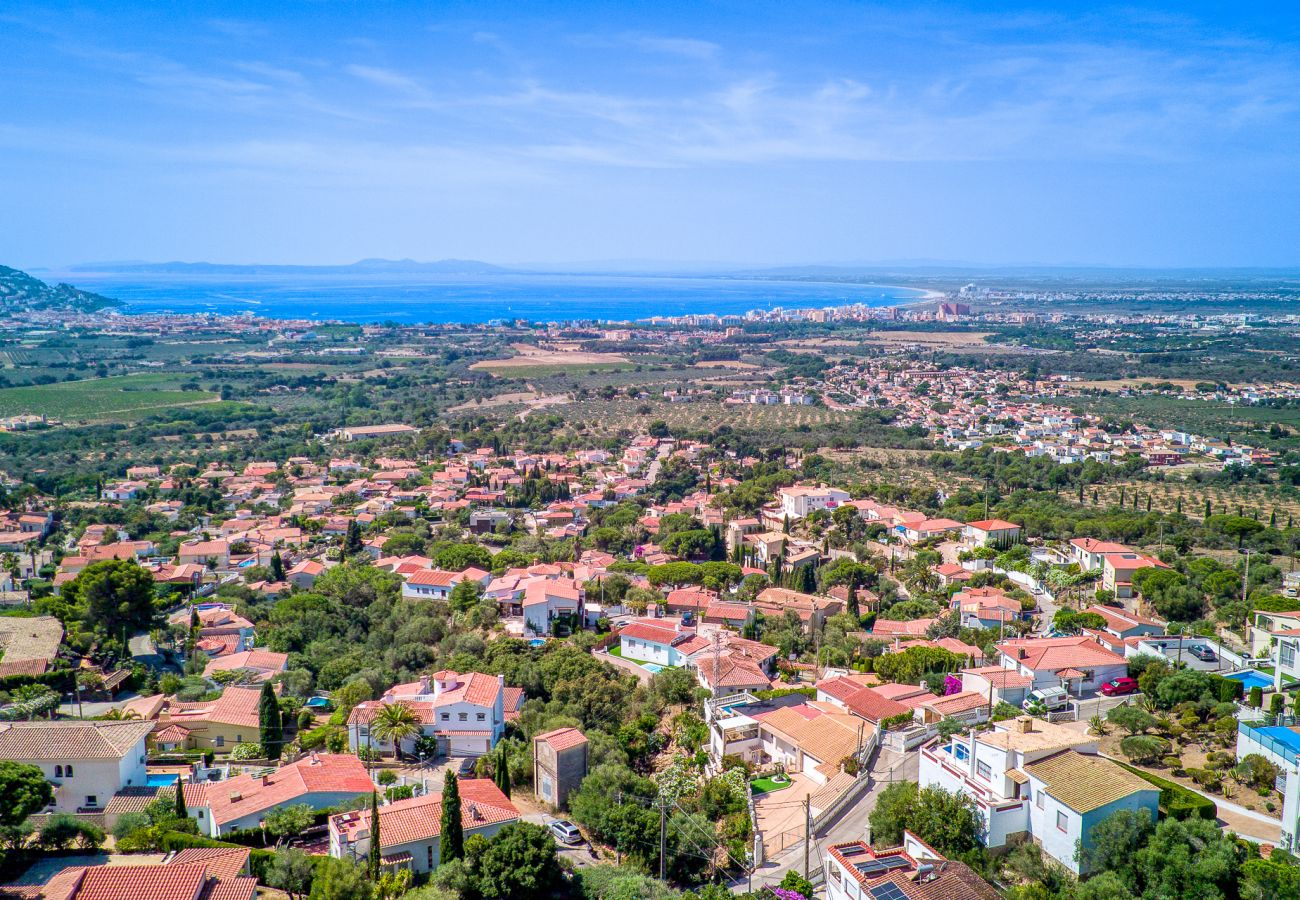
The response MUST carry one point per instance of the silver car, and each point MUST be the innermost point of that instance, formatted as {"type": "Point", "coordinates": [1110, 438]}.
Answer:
{"type": "Point", "coordinates": [565, 832]}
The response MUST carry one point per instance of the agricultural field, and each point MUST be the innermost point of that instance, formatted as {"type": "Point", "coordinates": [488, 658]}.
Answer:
{"type": "Point", "coordinates": [120, 398]}
{"type": "Point", "coordinates": [1260, 500]}
{"type": "Point", "coordinates": [1249, 424]}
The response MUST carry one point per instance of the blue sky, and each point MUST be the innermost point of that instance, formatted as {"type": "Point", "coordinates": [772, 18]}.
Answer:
{"type": "Point", "coordinates": [741, 132]}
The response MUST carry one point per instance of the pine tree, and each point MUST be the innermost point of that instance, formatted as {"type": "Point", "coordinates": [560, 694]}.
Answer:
{"type": "Point", "coordinates": [270, 728]}
{"type": "Point", "coordinates": [373, 860]}
{"type": "Point", "coordinates": [453, 830]}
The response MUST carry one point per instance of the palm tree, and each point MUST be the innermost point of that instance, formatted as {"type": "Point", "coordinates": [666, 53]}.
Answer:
{"type": "Point", "coordinates": [395, 722]}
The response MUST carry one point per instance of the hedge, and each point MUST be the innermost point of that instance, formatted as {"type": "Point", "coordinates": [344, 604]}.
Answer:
{"type": "Point", "coordinates": [1176, 801]}
{"type": "Point", "coordinates": [1227, 690]}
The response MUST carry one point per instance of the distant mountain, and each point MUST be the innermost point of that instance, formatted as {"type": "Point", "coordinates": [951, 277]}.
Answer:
{"type": "Point", "coordinates": [20, 291]}
{"type": "Point", "coordinates": [395, 266]}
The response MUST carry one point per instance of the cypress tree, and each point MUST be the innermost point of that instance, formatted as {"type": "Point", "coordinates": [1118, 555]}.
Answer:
{"type": "Point", "coordinates": [1207, 507]}
{"type": "Point", "coordinates": [373, 860]}
{"type": "Point", "coordinates": [453, 831]}
{"type": "Point", "coordinates": [270, 728]}
{"type": "Point", "coordinates": [277, 567]}
{"type": "Point", "coordinates": [181, 812]}
{"type": "Point", "coordinates": [502, 773]}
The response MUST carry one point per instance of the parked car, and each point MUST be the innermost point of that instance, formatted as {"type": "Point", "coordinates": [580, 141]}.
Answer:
{"type": "Point", "coordinates": [1202, 652]}
{"type": "Point", "coordinates": [565, 832]}
{"type": "Point", "coordinates": [1119, 687]}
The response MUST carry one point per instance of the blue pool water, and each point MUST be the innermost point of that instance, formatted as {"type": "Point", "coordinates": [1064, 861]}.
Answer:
{"type": "Point", "coordinates": [1252, 679]}
{"type": "Point", "coordinates": [651, 667]}
{"type": "Point", "coordinates": [318, 703]}
{"type": "Point", "coordinates": [161, 780]}
{"type": "Point", "coordinates": [537, 642]}
{"type": "Point", "coordinates": [1282, 735]}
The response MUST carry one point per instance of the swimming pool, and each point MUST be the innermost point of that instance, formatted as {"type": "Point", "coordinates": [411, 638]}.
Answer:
{"type": "Point", "coordinates": [161, 780]}
{"type": "Point", "coordinates": [1251, 679]}
{"type": "Point", "coordinates": [318, 703]}
{"type": "Point", "coordinates": [651, 667]}
{"type": "Point", "coordinates": [537, 642]}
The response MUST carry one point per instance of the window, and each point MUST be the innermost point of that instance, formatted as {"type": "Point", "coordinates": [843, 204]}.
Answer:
{"type": "Point", "coordinates": [58, 771]}
{"type": "Point", "coordinates": [446, 717]}
{"type": "Point", "coordinates": [983, 770]}
{"type": "Point", "coordinates": [363, 731]}
{"type": "Point", "coordinates": [220, 741]}
{"type": "Point", "coordinates": [1286, 653]}
{"type": "Point", "coordinates": [464, 717]}
{"type": "Point", "coordinates": [92, 800]}
{"type": "Point", "coordinates": [482, 716]}
{"type": "Point", "coordinates": [1060, 820]}
{"type": "Point", "coordinates": [1040, 801]}
{"type": "Point", "coordinates": [429, 858]}
{"type": "Point", "coordinates": [67, 770]}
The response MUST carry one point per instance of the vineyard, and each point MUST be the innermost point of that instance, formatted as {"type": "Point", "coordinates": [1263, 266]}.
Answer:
{"type": "Point", "coordinates": [609, 416]}
{"type": "Point", "coordinates": [100, 399]}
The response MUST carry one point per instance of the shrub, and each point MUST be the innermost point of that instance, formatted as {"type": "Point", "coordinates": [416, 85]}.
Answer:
{"type": "Point", "coordinates": [1206, 778]}
{"type": "Point", "coordinates": [1256, 697]}
{"type": "Point", "coordinates": [247, 750]}
{"type": "Point", "coordinates": [1276, 704]}
{"type": "Point", "coordinates": [386, 777]}
{"type": "Point", "coordinates": [1143, 747]}
{"type": "Point", "coordinates": [1172, 762]}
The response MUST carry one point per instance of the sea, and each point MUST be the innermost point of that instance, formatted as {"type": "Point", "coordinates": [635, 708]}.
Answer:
{"type": "Point", "coordinates": [412, 299]}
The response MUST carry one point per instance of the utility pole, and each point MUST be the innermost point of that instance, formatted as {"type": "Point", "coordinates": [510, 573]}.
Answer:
{"type": "Point", "coordinates": [663, 840]}
{"type": "Point", "coordinates": [807, 832]}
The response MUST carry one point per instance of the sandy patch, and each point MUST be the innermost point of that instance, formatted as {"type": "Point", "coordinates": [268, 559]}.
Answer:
{"type": "Point", "coordinates": [551, 355]}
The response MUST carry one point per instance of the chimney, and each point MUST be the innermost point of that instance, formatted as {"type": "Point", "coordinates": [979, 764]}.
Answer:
{"type": "Point", "coordinates": [1022, 653]}
{"type": "Point", "coordinates": [266, 780]}
{"type": "Point", "coordinates": [424, 684]}
{"type": "Point", "coordinates": [1025, 724]}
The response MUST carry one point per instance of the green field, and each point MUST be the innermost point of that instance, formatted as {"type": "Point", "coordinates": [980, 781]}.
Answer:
{"type": "Point", "coordinates": [100, 399]}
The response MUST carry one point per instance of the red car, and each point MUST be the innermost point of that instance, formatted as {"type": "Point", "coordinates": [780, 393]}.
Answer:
{"type": "Point", "coordinates": [1119, 687]}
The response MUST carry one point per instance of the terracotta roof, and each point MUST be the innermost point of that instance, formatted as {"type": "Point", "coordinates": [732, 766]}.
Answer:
{"type": "Point", "coordinates": [1054, 654]}
{"type": "Point", "coordinates": [1085, 782]}
{"type": "Point", "coordinates": [420, 818]}
{"type": "Point", "coordinates": [563, 738]}
{"type": "Point", "coordinates": [222, 862]}
{"type": "Point", "coordinates": [1000, 677]}
{"type": "Point", "coordinates": [828, 737]}
{"type": "Point", "coordinates": [71, 740]}
{"type": "Point", "coordinates": [993, 525]}
{"type": "Point", "coordinates": [653, 632]}
{"type": "Point", "coordinates": [246, 795]}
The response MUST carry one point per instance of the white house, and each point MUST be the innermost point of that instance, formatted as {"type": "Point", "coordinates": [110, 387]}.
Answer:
{"type": "Point", "coordinates": [1070, 793]}
{"type": "Point", "coordinates": [87, 762]}
{"type": "Point", "coordinates": [410, 830]}
{"type": "Point", "coordinates": [465, 713]}
{"type": "Point", "coordinates": [1028, 776]}
{"type": "Point", "coordinates": [552, 600]}
{"type": "Point", "coordinates": [655, 641]}
{"type": "Point", "coordinates": [1280, 745]}
{"type": "Point", "coordinates": [991, 532]}
{"type": "Point", "coordinates": [858, 871]}
{"type": "Point", "coordinates": [1090, 552]}
{"type": "Point", "coordinates": [1077, 663]}
{"type": "Point", "coordinates": [435, 584]}
{"type": "Point", "coordinates": [798, 501]}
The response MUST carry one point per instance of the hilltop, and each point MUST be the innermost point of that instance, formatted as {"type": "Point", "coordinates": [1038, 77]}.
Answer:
{"type": "Point", "coordinates": [20, 291]}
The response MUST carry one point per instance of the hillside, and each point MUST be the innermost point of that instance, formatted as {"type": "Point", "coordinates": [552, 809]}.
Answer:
{"type": "Point", "coordinates": [20, 291]}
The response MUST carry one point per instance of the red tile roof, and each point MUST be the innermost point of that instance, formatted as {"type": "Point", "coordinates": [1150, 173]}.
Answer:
{"type": "Point", "coordinates": [247, 795]}
{"type": "Point", "coordinates": [420, 818]}
{"type": "Point", "coordinates": [563, 738]}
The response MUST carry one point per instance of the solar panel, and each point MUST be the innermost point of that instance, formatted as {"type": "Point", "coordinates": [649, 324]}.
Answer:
{"type": "Point", "coordinates": [887, 891]}
{"type": "Point", "coordinates": [885, 864]}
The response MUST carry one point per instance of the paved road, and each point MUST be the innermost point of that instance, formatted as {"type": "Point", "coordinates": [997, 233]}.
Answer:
{"type": "Point", "coordinates": [851, 824]}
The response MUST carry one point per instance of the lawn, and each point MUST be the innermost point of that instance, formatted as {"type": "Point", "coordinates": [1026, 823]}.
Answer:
{"type": "Point", "coordinates": [100, 399]}
{"type": "Point", "coordinates": [766, 786]}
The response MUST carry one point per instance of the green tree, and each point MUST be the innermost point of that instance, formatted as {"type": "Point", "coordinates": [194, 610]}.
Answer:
{"type": "Point", "coordinates": [518, 861]}
{"type": "Point", "coordinates": [291, 871]}
{"type": "Point", "coordinates": [453, 830]}
{"type": "Point", "coordinates": [108, 599]}
{"type": "Point", "coordinates": [270, 727]}
{"type": "Point", "coordinates": [1132, 719]}
{"type": "Point", "coordinates": [23, 791]}
{"type": "Point", "coordinates": [1111, 843]}
{"type": "Point", "coordinates": [501, 774]}
{"type": "Point", "coordinates": [277, 567]}
{"type": "Point", "coordinates": [181, 812]}
{"type": "Point", "coordinates": [339, 879]}
{"type": "Point", "coordinates": [290, 820]}
{"type": "Point", "coordinates": [1187, 858]}
{"type": "Point", "coordinates": [375, 857]}
{"type": "Point", "coordinates": [465, 595]}
{"type": "Point", "coordinates": [946, 821]}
